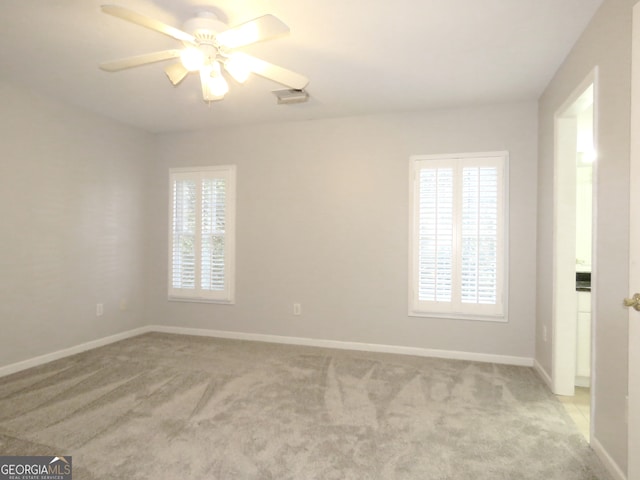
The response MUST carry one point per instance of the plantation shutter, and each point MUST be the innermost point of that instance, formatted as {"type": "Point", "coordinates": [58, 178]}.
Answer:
{"type": "Point", "coordinates": [436, 235]}
{"type": "Point", "coordinates": [479, 263]}
{"type": "Point", "coordinates": [183, 251]}
{"type": "Point", "coordinates": [213, 229]}
{"type": "Point", "coordinates": [458, 236]}
{"type": "Point", "coordinates": [201, 234]}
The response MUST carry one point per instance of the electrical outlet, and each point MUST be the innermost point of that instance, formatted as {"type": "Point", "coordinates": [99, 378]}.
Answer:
{"type": "Point", "coordinates": [124, 305]}
{"type": "Point", "coordinates": [297, 309]}
{"type": "Point", "coordinates": [544, 333]}
{"type": "Point", "coordinates": [99, 309]}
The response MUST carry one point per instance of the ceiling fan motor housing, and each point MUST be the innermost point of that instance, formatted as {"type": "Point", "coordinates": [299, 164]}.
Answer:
{"type": "Point", "coordinates": [205, 26]}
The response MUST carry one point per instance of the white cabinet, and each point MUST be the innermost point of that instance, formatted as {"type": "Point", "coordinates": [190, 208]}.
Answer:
{"type": "Point", "coordinates": [583, 347]}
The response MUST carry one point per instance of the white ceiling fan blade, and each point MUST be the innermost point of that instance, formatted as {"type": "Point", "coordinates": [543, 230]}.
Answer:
{"type": "Point", "coordinates": [176, 73]}
{"type": "Point", "coordinates": [139, 19]}
{"type": "Point", "coordinates": [138, 60]}
{"type": "Point", "coordinates": [256, 30]}
{"type": "Point", "coordinates": [270, 71]}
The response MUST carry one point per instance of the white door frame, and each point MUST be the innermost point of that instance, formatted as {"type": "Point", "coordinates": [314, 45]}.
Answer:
{"type": "Point", "coordinates": [564, 313]}
{"type": "Point", "coordinates": [633, 467]}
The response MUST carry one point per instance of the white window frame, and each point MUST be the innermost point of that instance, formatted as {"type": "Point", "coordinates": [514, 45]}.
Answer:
{"type": "Point", "coordinates": [455, 309]}
{"type": "Point", "coordinates": [197, 294]}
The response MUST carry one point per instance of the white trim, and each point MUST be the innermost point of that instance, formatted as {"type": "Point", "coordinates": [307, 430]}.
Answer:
{"type": "Point", "coordinates": [259, 337]}
{"type": "Point", "coordinates": [633, 341]}
{"type": "Point", "coordinates": [564, 313]}
{"type": "Point", "coordinates": [544, 375]}
{"type": "Point", "coordinates": [458, 316]}
{"type": "Point", "coordinates": [67, 352]}
{"type": "Point", "coordinates": [582, 381]}
{"type": "Point", "coordinates": [609, 463]}
{"type": "Point", "coordinates": [357, 346]}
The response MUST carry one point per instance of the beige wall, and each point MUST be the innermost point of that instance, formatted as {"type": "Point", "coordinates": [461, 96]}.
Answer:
{"type": "Point", "coordinates": [606, 43]}
{"type": "Point", "coordinates": [71, 203]}
{"type": "Point", "coordinates": [322, 220]}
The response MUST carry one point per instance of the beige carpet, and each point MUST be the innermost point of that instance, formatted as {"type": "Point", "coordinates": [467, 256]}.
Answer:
{"type": "Point", "coordinates": [178, 407]}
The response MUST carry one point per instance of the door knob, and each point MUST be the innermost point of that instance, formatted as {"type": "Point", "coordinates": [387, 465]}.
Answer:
{"type": "Point", "coordinates": [633, 302]}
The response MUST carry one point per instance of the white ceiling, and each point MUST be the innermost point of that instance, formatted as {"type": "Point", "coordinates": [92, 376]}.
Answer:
{"type": "Point", "coordinates": [362, 56]}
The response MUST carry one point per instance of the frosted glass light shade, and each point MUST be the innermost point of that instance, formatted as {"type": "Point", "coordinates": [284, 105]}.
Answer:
{"type": "Point", "coordinates": [218, 86]}
{"type": "Point", "coordinates": [192, 58]}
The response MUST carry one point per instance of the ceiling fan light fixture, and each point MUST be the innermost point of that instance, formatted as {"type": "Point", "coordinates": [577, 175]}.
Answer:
{"type": "Point", "coordinates": [214, 86]}
{"type": "Point", "coordinates": [218, 86]}
{"type": "Point", "coordinates": [207, 43]}
{"type": "Point", "coordinates": [192, 58]}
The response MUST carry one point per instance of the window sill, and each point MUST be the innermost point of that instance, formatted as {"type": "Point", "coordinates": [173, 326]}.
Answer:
{"type": "Point", "coordinates": [200, 300]}
{"type": "Point", "coordinates": [460, 316]}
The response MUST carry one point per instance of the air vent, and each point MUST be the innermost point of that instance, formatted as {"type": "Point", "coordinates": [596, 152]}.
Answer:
{"type": "Point", "coordinates": [291, 96]}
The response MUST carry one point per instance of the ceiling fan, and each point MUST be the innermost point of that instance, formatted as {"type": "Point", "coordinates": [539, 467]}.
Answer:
{"type": "Point", "coordinates": [208, 48]}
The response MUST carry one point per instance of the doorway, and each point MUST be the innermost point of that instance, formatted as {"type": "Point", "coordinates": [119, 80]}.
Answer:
{"type": "Point", "coordinates": [573, 263]}
{"type": "Point", "coordinates": [633, 467]}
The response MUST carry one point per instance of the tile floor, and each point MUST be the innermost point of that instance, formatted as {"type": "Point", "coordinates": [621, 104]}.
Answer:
{"type": "Point", "coordinates": [579, 409]}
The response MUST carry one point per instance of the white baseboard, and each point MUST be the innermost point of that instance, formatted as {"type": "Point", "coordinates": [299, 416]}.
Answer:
{"type": "Point", "coordinates": [580, 381]}
{"type": "Point", "coordinates": [367, 347]}
{"type": "Point", "coordinates": [258, 337]}
{"type": "Point", "coordinates": [583, 381]}
{"type": "Point", "coordinates": [543, 374]}
{"type": "Point", "coordinates": [612, 467]}
{"type": "Point", "coordinates": [49, 357]}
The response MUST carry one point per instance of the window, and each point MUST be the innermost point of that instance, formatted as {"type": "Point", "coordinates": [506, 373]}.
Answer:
{"type": "Point", "coordinates": [202, 234]}
{"type": "Point", "coordinates": [458, 236]}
